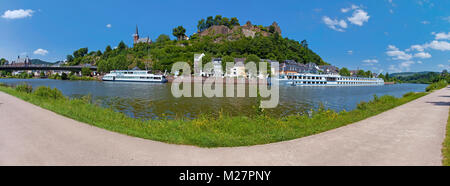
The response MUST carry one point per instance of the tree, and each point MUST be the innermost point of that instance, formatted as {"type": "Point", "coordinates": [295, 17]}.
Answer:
{"type": "Point", "coordinates": [344, 72]}
{"type": "Point", "coordinates": [272, 29]}
{"type": "Point", "coordinates": [234, 21]}
{"type": "Point", "coordinates": [225, 60]}
{"type": "Point", "coordinates": [218, 20]}
{"type": "Point", "coordinates": [64, 76]}
{"type": "Point", "coordinates": [252, 58]}
{"type": "Point", "coordinates": [162, 38]}
{"type": "Point", "coordinates": [108, 49]}
{"type": "Point", "coordinates": [209, 21]}
{"type": "Point", "coordinates": [80, 52]}
{"type": "Point", "coordinates": [226, 22]}
{"type": "Point", "coordinates": [3, 61]}
{"type": "Point", "coordinates": [121, 46]}
{"type": "Point", "coordinates": [86, 71]}
{"type": "Point", "coordinates": [179, 32]}
{"type": "Point", "coordinates": [99, 53]}
{"type": "Point", "coordinates": [201, 25]}
{"type": "Point", "coordinates": [361, 73]}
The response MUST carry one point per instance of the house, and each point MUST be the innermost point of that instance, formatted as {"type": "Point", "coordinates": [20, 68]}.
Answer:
{"type": "Point", "coordinates": [329, 69]}
{"type": "Point", "coordinates": [216, 71]}
{"type": "Point", "coordinates": [239, 68]}
{"type": "Point", "coordinates": [291, 67]}
{"type": "Point", "coordinates": [20, 62]}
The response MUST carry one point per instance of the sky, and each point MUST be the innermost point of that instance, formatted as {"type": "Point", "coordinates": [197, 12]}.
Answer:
{"type": "Point", "coordinates": [377, 35]}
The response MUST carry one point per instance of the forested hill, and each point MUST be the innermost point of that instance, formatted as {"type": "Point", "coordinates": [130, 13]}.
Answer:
{"type": "Point", "coordinates": [162, 53]}
{"type": "Point", "coordinates": [421, 77]}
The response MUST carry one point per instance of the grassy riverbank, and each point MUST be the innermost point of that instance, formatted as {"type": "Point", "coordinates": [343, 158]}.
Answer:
{"type": "Point", "coordinates": [207, 131]}
{"type": "Point", "coordinates": [446, 145]}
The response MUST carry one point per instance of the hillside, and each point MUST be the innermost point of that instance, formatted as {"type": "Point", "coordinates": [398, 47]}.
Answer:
{"type": "Point", "coordinates": [218, 39]}
{"type": "Point", "coordinates": [418, 77]}
{"type": "Point", "coordinates": [40, 62]}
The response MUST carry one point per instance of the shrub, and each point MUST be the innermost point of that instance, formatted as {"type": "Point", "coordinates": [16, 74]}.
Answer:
{"type": "Point", "coordinates": [437, 85]}
{"type": "Point", "coordinates": [24, 88]}
{"type": "Point", "coordinates": [409, 94]}
{"type": "Point", "coordinates": [47, 92]}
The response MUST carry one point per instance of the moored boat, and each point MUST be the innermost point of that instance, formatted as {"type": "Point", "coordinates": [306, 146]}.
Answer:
{"type": "Point", "coordinates": [134, 76]}
{"type": "Point", "coordinates": [328, 80]}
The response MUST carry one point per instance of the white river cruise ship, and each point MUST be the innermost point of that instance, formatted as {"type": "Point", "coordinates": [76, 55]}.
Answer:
{"type": "Point", "coordinates": [328, 80]}
{"type": "Point", "coordinates": [134, 76]}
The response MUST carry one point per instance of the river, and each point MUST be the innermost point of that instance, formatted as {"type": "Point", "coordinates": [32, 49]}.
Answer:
{"type": "Point", "coordinates": [155, 101]}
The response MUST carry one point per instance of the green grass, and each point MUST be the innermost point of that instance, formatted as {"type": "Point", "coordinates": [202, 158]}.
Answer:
{"type": "Point", "coordinates": [206, 130]}
{"type": "Point", "coordinates": [438, 85]}
{"type": "Point", "coordinates": [446, 145]}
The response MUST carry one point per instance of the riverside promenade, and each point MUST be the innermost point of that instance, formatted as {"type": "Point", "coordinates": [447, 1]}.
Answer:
{"type": "Point", "coordinates": [411, 134]}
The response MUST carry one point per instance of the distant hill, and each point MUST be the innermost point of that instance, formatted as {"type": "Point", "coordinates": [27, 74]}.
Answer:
{"type": "Point", "coordinates": [406, 74]}
{"type": "Point", "coordinates": [417, 77]}
{"type": "Point", "coordinates": [40, 62]}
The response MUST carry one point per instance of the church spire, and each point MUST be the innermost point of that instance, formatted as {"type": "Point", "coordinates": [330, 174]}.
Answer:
{"type": "Point", "coordinates": [136, 35]}
{"type": "Point", "coordinates": [137, 31]}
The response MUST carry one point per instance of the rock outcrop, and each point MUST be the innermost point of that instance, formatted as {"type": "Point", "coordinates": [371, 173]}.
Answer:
{"type": "Point", "coordinates": [236, 32]}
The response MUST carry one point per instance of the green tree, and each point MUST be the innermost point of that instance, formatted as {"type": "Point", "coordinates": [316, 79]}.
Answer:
{"type": "Point", "coordinates": [218, 20]}
{"type": "Point", "coordinates": [201, 25]}
{"type": "Point", "coordinates": [3, 61]}
{"type": "Point", "coordinates": [225, 60]}
{"type": "Point", "coordinates": [85, 71]}
{"type": "Point", "coordinates": [80, 52]}
{"type": "Point", "coordinates": [108, 49]}
{"type": "Point", "coordinates": [64, 76]}
{"type": "Point", "coordinates": [344, 72]}
{"type": "Point", "coordinates": [234, 21]}
{"type": "Point", "coordinates": [209, 21]}
{"type": "Point", "coordinates": [121, 46]}
{"type": "Point", "coordinates": [179, 32]}
{"type": "Point", "coordinates": [361, 73]}
{"type": "Point", "coordinates": [162, 38]}
{"type": "Point", "coordinates": [252, 58]}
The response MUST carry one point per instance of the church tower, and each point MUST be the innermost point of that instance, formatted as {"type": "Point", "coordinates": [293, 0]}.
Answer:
{"type": "Point", "coordinates": [136, 35]}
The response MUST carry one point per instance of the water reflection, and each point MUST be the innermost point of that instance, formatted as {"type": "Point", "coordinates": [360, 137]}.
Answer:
{"type": "Point", "coordinates": [155, 101]}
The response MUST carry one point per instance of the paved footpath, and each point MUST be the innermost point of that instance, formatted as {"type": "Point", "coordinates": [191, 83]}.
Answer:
{"type": "Point", "coordinates": [411, 134]}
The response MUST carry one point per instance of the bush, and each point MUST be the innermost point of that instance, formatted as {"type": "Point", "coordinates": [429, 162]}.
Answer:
{"type": "Point", "coordinates": [64, 76]}
{"type": "Point", "coordinates": [47, 92]}
{"type": "Point", "coordinates": [24, 88]}
{"type": "Point", "coordinates": [438, 85]}
{"type": "Point", "coordinates": [409, 94]}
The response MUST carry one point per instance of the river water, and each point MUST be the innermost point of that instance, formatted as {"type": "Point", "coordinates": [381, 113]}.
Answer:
{"type": "Point", "coordinates": [155, 101]}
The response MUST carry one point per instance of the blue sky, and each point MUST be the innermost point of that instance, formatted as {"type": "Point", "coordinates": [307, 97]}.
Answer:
{"type": "Point", "coordinates": [377, 35]}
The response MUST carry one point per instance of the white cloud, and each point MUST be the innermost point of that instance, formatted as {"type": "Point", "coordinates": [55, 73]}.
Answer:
{"type": "Point", "coordinates": [423, 55]}
{"type": "Point", "coordinates": [401, 67]}
{"type": "Point", "coordinates": [108, 26]}
{"type": "Point", "coordinates": [438, 45]}
{"type": "Point", "coordinates": [446, 19]}
{"type": "Point", "coordinates": [370, 61]}
{"type": "Point", "coordinates": [396, 54]}
{"type": "Point", "coordinates": [359, 17]}
{"type": "Point", "coordinates": [442, 66]}
{"type": "Point", "coordinates": [17, 14]}
{"type": "Point", "coordinates": [419, 62]}
{"type": "Point", "coordinates": [350, 52]}
{"type": "Point", "coordinates": [417, 47]}
{"type": "Point", "coordinates": [41, 52]}
{"type": "Point", "coordinates": [425, 22]}
{"type": "Point", "coordinates": [335, 24]}
{"type": "Point", "coordinates": [442, 35]}
{"type": "Point", "coordinates": [345, 10]}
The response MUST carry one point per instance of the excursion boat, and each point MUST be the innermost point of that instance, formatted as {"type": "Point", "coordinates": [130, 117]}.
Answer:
{"type": "Point", "coordinates": [328, 80]}
{"type": "Point", "coordinates": [134, 76]}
